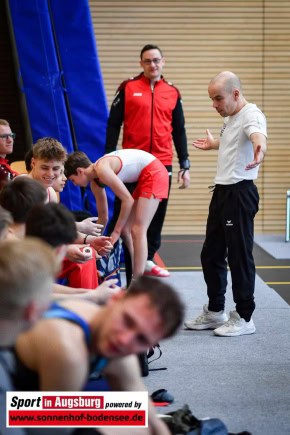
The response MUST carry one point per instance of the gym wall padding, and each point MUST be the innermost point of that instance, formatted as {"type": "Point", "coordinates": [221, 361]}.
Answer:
{"type": "Point", "coordinates": [61, 78]}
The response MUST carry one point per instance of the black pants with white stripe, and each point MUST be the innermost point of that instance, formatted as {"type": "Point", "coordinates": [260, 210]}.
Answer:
{"type": "Point", "coordinates": [229, 241]}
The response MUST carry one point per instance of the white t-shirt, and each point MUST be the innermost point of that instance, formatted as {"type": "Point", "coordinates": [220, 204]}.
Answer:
{"type": "Point", "coordinates": [133, 162]}
{"type": "Point", "coordinates": [236, 148]}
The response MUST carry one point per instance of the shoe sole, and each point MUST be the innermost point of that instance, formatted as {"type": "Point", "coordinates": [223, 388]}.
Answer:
{"type": "Point", "coordinates": [161, 274]}
{"type": "Point", "coordinates": [234, 334]}
{"type": "Point", "coordinates": [204, 327]}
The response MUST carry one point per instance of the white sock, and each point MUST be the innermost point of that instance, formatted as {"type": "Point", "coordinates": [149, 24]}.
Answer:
{"type": "Point", "coordinates": [149, 265]}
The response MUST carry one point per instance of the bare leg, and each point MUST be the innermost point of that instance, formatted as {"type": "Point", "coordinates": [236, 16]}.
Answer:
{"type": "Point", "coordinates": [127, 236]}
{"type": "Point", "coordinates": [127, 239]}
{"type": "Point", "coordinates": [143, 214]}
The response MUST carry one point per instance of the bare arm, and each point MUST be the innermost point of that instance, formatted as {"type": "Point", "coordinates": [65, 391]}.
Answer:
{"type": "Point", "coordinates": [59, 289]}
{"type": "Point", "coordinates": [102, 203]}
{"type": "Point", "coordinates": [80, 237]}
{"type": "Point", "coordinates": [76, 253]}
{"type": "Point", "coordinates": [259, 142]}
{"type": "Point", "coordinates": [48, 349]}
{"type": "Point", "coordinates": [89, 226]}
{"type": "Point", "coordinates": [123, 374]}
{"type": "Point", "coordinates": [109, 178]}
{"type": "Point", "coordinates": [101, 244]}
{"type": "Point", "coordinates": [208, 143]}
{"type": "Point", "coordinates": [52, 195]}
{"type": "Point", "coordinates": [98, 295]}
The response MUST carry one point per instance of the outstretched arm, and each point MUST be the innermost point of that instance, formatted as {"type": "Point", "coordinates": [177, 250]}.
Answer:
{"type": "Point", "coordinates": [75, 252]}
{"type": "Point", "coordinates": [90, 226]}
{"type": "Point", "coordinates": [259, 142]}
{"type": "Point", "coordinates": [208, 143]}
{"type": "Point", "coordinates": [100, 295]}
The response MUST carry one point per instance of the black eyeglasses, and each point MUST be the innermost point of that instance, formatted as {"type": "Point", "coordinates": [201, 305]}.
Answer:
{"type": "Point", "coordinates": [5, 136]}
{"type": "Point", "coordinates": [156, 61]}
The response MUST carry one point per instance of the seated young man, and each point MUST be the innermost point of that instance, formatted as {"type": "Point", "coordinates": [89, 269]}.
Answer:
{"type": "Point", "coordinates": [54, 224]}
{"type": "Point", "coordinates": [48, 156]}
{"type": "Point", "coordinates": [18, 197]}
{"type": "Point", "coordinates": [106, 338]}
{"type": "Point", "coordinates": [27, 271]}
{"type": "Point", "coordinates": [87, 226]}
{"type": "Point", "coordinates": [138, 209]}
{"type": "Point", "coordinates": [6, 147]}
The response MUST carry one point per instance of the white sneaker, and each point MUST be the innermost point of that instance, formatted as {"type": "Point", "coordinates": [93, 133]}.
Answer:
{"type": "Point", "coordinates": [151, 269]}
{"type": "Point", "coordinates": [235, 326]}
{"type": "Point", "coordinates": [207, 320]}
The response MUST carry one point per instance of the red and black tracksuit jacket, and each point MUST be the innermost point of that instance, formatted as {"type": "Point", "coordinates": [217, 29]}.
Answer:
{"type": "Point", "coordinates": [152, 118]}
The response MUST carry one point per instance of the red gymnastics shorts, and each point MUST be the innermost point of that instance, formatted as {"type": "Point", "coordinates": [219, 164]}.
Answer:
{"type": "Point", "coordinates": [153, 181]}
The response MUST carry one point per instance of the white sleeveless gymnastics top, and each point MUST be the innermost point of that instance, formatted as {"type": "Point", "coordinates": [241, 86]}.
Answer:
{"type": "Point", "coordinates": [133, 162]}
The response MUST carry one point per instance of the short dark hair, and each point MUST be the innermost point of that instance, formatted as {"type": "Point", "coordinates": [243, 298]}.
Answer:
{"type": "Point", "coordinates": [150, 47]}
{"type": "Point", "coordinates": [20, 194]}
{"type": "Point", "coordinates": [27, 159]}
{"type": "Point", "coordinates": [76, 160]}
{"type": "Point", "coordinates": [5, 220]}
{"type": "Point", "coordinates": [163, 297]}
{"type": "Point", "coordinates": [53, 223]}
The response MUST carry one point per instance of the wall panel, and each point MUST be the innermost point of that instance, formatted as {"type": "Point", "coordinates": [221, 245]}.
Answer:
{"type": "Point", "coordinates": [200, 39]}
{"type": "Point", "coordinates": [277, 106]}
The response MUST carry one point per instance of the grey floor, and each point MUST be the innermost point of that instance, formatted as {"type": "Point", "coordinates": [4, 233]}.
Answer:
{"type": "Point", "coordinates": [274, 244]}
{"type": "Point", "coordinates": [245, 380]}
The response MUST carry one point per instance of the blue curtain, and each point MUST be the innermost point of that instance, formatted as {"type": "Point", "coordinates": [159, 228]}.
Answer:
{"type": "Point", "coordinates": [60, 75]}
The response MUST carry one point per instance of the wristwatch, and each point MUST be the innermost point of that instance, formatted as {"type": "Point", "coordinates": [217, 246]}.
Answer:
{"type": "Point", "coordinates": [184, 166]}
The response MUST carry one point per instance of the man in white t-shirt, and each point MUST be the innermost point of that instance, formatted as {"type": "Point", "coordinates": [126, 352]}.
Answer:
{"type": "Point", "coordinates": [235, 202]}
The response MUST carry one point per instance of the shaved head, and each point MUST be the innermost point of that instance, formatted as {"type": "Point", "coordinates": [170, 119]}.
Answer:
{"type": "Point", "coordinates": [228, 80]}
{"type": "Point", "coordinates": [225, 91]}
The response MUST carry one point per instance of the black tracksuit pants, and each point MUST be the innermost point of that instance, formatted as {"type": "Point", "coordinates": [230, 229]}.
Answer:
{"type": "Point", "coordinates": [229, 240]}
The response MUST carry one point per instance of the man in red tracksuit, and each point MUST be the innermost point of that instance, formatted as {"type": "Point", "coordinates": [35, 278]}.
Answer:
{"type": "Point", "coordinates": [150, 109]}
{"type": "Point", "coordinates": [6, 147]}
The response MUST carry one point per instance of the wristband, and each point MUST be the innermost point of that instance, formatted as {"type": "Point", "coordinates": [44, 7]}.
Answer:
{"type": "Point", "coordinates": [185, 164]}
{"type": "Point", "coordinates": [85, 239]}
